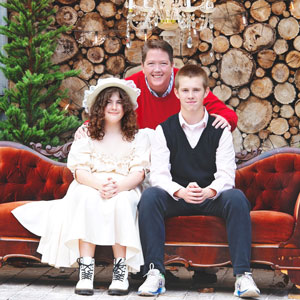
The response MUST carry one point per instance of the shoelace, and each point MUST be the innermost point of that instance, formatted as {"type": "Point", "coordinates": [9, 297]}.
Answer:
{"type": "Point", "coordinates": [151, 276]}
{"type": "Point", "coordinates": [86, 270]}
{"type": "Point", "coordinates": [249, 277]}
{"type": "Point", "coordinates": [151, 267]}
{"type": "Point", "coordinates": [119, 271]}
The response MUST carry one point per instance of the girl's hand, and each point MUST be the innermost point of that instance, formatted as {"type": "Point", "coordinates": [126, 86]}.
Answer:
{"type": "Point", "coordinates": [108, 188]}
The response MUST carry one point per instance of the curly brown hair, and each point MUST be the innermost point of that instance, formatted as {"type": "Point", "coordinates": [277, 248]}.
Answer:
{"type": "Point", "coordinates": [129, 125]}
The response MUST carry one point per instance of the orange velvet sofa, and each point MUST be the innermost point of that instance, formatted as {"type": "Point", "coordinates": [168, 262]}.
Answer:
{"type": "Point", "coordinates": [271, 182]}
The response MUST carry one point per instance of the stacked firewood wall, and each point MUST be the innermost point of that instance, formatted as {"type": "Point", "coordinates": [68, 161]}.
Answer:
{"type": "Point", "coordinates": [252, 57]}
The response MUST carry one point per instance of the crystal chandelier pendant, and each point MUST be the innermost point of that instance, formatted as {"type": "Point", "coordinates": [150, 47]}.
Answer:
{"type": "Point", "coordinates": [292, 7]}
{"type": "Point", "coordinates": [189, 42]}
{"type": "Point", "coordinates": [210, 23]}
{"type": "Point", "coordinates": [128, 42]}
{"type": "Point", "coordinates": [244, 20]}
{"type": "Point", "coordinates": [96, 38]}
{"type": "Point", "coordinates": [155, 21]}
{"type": "Point", "coordinates": [145, 34]}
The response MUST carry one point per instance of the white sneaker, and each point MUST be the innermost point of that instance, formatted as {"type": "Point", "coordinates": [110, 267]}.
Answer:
{"type": "Point", "coordinates": [245, 286]}
{"type": "Point", "coordinates": [119, 284]}
{"type": "Point", "coordinates": [154, 283]}
{"type": "Point", "coordinates": [86, 276]}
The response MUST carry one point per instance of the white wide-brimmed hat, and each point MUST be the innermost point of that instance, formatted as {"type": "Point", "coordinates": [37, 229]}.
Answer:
{"type": "Point", "coordinates": [126, 85]}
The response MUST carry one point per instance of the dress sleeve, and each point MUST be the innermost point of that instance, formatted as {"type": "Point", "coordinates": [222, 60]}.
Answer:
{"type": "Point", "coordinates": [80, 155]}
{"type": "Point", "coordinates": [141, 156]}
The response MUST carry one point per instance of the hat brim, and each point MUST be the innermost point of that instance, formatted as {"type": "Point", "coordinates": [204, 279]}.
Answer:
{"type": "Point", "coordinates": [92, 94]}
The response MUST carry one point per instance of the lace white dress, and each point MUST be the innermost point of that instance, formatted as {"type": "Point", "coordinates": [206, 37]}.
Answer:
{"type": "Point", "coordinates": [83, 214]}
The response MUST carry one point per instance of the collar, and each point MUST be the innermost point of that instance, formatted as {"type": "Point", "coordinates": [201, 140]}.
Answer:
{"type": "Point", "coordinates": [167, 92]}
{"type": "Point", "coordinates": [201, 124]}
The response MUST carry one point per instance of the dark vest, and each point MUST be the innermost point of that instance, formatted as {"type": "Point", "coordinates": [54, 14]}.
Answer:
{"type": "Point", "coordinates": [188, 164]}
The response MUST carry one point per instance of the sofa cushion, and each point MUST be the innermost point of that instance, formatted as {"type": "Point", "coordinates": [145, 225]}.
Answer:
{"type": "Point", "coordinates": [271, 226]}
{"type": "Point", "coordinates": [9, 225]}
{"type": "Point", "coordinates": [267, 227]}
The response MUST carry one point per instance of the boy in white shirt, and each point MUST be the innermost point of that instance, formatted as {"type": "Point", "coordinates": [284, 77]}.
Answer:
{"type": "Point", "coordinates": [193, 173]}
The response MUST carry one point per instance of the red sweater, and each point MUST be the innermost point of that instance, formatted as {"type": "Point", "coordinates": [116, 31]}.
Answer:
{"type": "Point", "coordinates": [153, 110]}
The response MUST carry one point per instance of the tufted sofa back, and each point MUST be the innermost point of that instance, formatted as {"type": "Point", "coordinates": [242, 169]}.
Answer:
{"type": "Point", "coordinates": [27, 175]}
{"type": "Point", "coordinates": [271, 181]}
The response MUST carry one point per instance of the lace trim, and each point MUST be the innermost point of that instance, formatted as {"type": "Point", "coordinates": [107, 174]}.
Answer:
{"type": "Point", "coordinates": [108, 162]}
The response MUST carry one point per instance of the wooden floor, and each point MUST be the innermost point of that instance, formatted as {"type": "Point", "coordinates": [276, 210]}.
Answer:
{"type": "Point", "coordinates": [40, 282]}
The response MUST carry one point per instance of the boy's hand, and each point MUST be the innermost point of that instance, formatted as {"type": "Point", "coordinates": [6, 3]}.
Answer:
{"type": "Point", "coordinates": [195, 194]}
{"type": "Point", "coordinates": [220, 122]}
{"type": "Point", "coordinates": [81, 132]}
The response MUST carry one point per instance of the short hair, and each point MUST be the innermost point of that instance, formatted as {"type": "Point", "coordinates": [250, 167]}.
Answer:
{"type": "Point", "coordinates": [190, 71]}
{"type": "Point", "coordinates": [157, 44]}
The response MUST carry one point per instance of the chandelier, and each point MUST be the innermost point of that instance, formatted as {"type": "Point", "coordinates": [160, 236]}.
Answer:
{"type": "Point", "coordinates": [168, 15]}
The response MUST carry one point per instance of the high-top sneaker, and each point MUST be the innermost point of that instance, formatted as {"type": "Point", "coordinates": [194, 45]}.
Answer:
{"type": "Point", "coordinates": [119, 284]}
{"type": "Point", "coordinates": [86, 276]}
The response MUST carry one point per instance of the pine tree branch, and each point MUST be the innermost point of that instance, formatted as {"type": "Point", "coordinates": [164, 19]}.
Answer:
{"type": "Point", "coordinates": [31, 106]}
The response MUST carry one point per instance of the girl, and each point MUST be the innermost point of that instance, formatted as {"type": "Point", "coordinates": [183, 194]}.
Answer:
{"type": "Point", "coordinates": [100, 206]}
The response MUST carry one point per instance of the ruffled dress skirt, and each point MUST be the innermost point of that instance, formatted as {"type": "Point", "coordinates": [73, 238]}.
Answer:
{"type": "Point", "coordinates": [83, 214]}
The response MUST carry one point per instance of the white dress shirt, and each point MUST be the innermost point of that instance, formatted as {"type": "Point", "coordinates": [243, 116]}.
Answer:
{"type": "Point", "coordinates": [160, 175]}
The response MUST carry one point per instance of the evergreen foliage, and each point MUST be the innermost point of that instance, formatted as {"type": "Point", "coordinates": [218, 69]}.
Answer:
{"type": "Point", "coordinates": [31, 105]}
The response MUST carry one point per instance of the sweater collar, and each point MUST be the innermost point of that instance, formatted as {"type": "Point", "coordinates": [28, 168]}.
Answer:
{"type": "Point", "coordinates": [167, 92]}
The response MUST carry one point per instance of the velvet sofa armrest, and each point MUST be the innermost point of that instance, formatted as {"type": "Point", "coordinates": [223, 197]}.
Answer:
{"type": "Point", "coordinates": [297, 208]}
{"type": "Point", "coordinates": [294, 241]}
{"type": "Point", "coordinates": [27, 175]}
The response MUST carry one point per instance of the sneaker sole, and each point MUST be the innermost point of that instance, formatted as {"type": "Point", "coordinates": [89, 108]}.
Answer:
{"type": "Point", "coordinates": [86, 292]}
{"type": "Point", "coordinates": [117, 292]}
{"type": "Point", "coordinates": [248, 294]}
{"type": "Point", "coordinates": [149, 294]}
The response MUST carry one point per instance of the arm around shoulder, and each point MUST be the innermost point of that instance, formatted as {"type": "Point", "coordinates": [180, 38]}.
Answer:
{"type": "Point", "coordinates": [216, 106]}
{"type": "Point", "coordinates": [81, 132]}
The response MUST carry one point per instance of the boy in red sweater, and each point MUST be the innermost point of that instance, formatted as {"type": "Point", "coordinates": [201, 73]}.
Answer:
{"type": "Point", "coordinates": [157, 101]}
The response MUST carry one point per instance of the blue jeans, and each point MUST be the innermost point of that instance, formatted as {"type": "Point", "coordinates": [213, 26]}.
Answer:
{"type": "Point", "coordinates": [232, 205]}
